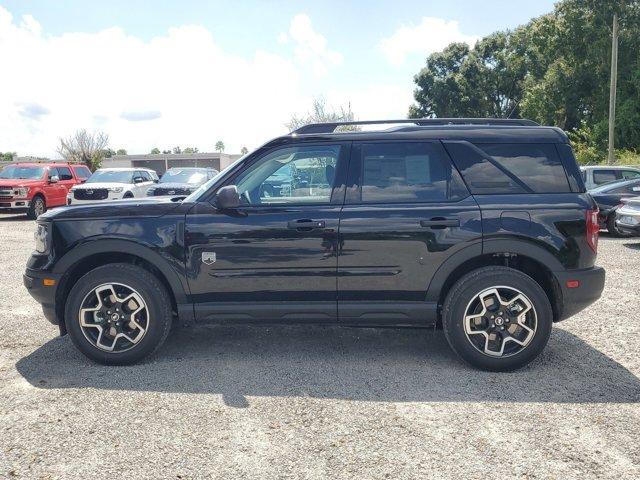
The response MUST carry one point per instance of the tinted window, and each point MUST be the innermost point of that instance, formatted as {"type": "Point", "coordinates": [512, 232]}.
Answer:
{"type": "Point", "coordinates": [110, 176]}
{"type": "Point", "coordinates": [536, 165]}
{"type": "Point", "coordinates": [293, 175]}
{"type": "Point", "coordinates": [53, 172]}
{"type": "Point", "coordinates": [145, 176]}
{"type": "Point", "coordinates": [64, 173]}
{"type": "Point", "coordinates": [82, 172]}
{"type": "Point", "coordinates": [604, 176]}
{"type": "Point", "coordinates": [627, 187]}
{"type": "Point", "coordinates": [407, 172]}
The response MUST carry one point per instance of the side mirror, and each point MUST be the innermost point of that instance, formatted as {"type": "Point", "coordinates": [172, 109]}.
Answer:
{"type": "Point", "coordinates": [138, 179]}
{"type": "Point", "coordinates": [228, 198]}
{"type": "Point", "coordinates": [54, 179]}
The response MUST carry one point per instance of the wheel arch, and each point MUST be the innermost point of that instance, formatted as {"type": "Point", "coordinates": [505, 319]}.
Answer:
{"type": "Point", "coordinates": [85, 258]}
{"type": "Point", "coordinates": [525, 257]}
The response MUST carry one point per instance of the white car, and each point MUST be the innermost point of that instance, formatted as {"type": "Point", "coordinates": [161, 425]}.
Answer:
{"type": "Point", "coordinates": [596, 175]}
{"type": "Point", "coordinates": [108, 184]}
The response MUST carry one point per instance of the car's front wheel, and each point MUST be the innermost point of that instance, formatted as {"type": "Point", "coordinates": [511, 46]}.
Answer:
{"type": "Point", "coordinates": [37, 207]}
{"type": "Point", "coordinates": [497, 318]}
{"type": "Point", "coordinates": [118, 314]}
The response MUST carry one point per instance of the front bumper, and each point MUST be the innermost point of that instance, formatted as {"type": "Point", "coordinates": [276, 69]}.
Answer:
{"type": "Point", "coordinates": [15, 204]}
{"type": "Point", "coordinates": [590, 283]}
{"type": "Point", "coordinates": [43, 294]}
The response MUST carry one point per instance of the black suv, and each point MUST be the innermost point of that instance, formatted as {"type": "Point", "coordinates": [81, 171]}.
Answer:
{"type": "Point", "coordinates": [481, 226]}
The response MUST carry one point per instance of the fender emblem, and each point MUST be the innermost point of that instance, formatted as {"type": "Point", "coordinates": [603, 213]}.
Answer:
{"type": "Point", "coordinates": [208, 258]}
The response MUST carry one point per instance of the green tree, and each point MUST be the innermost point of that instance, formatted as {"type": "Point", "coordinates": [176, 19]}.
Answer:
{"type": "Point", "coordinates": [121, 151]}
{"type": "Point", "coordinates": [554, 70]}
{"type": "Point", "coordinates": [220, 146]}
{"type": "Point", "coordinates": [244, 151]}
{"type": "Point", "coordinates": [7, 156]}
{"type": "Point", "coordinates": [190, 150]}
{"type": "Point", "coordinates": [155, 151]}
{"type": "Point", "coordinates": [177, 150]}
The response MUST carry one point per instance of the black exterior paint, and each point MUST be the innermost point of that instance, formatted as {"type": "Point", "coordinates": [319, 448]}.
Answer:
{"type": "Point", "coordinates": [363, 264]}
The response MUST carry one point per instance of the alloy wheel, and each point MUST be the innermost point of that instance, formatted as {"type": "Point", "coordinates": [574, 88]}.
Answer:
{"type": "Point", "coordinates": [500, 321]}
{"type": "Point", "coordinates": [38, 207]}
{"type": "Point", "coordinates": [114, 317]}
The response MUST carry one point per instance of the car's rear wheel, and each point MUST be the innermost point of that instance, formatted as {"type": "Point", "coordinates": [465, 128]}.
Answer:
{"type": "Point", "coordinates": [128, 195]}
{"type": "Point", "coordinates": [497, 318]}
{"type": "Point", "coordinates": [118, 314]}
{"type": "Point", "coordinates": [37, 207]}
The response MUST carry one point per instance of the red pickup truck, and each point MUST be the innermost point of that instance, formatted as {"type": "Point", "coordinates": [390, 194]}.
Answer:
{"type": "Point", "coordinates": [35, 187]}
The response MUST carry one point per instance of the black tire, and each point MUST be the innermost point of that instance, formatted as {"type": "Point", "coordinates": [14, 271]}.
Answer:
{"type": "Point", "coordinates": [128, 195]}
{"type": "Point", "coordinates": [153, 293]}
{"type": "Point", "coordinates": [37, 207]}
{"type": "Point", "coordinates": [612, 229]}
{"type": "Point", "coordinates": [469, 288]}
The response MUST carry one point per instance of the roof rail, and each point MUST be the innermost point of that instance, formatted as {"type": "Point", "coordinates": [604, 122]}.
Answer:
{"type": "Point", "coordinates": [329, 127]}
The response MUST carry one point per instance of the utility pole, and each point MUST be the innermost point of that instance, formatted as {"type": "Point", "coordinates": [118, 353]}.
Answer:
{"type": "Point", "coordinates": [612, 91]}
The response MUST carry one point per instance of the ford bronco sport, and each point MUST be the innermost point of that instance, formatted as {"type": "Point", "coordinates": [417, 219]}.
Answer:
{"type": "Point", "coordinates": [481, 226]}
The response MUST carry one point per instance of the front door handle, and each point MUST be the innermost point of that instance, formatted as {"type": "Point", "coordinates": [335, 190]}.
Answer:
{"type": "Point", "coordinates": [440, 223]}
{"type": "Point", "coordinates": [305, 225]}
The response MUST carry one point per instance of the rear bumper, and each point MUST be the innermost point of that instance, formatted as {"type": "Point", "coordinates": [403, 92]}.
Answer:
{"type": "Point", "coordinates": [589, 289]}
{"type": "Point", "coordinates": [44, 295]}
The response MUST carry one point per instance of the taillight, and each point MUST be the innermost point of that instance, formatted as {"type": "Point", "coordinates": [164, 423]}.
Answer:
{"type": "Point", "coordinates": [593, 229]}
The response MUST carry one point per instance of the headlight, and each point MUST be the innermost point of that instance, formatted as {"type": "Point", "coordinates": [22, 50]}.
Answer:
{"type": "Point", "coordinates": [115, 189]}
{"type": "Point", "coordinates": [22, 191]}
{"type": "Point", "coordinates": [41, 237]}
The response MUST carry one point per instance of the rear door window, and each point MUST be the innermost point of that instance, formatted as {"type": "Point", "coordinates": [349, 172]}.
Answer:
{"type": "Point", "coordinates": [65, 173]}
{"type": "Point", "coordinates": [605, 176]}
{"type": "Point", "coordinates": [411, 172]}
{"type": "Point", "coordinates": [82, 172]}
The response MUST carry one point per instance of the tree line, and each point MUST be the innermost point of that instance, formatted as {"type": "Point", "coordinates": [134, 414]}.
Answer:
{"type": "Point", "coordinates": [555, 70]}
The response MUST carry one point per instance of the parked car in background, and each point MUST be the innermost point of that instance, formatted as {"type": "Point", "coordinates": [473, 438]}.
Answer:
{"type": "Point", "coordinates": [596, 175]}
{"type": "Point", "coordinates": [177, 182]}
{"type": "Point", "coordinates": [108, 184]}
{"type": "Point", "coordinates": [628, 216]}
{"type": "Point", "coordinates": [35, 187]}
{"type": "Point", "coordinates": [609, 198]}
{"type": "Point", "coordinates": [484, 228]}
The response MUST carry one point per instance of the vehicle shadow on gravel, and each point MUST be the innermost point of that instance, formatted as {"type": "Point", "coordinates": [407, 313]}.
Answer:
{"type": "Point", "coordinates": [397, 365]}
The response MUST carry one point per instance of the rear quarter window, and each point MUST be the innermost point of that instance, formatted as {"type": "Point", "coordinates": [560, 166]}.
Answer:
{"type": "Point", "coordinates": [491, 168]}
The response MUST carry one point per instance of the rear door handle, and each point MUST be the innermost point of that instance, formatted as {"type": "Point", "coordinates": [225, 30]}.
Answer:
{"type": "Point", "coordinates": [440, 222]}
{"type": "Point", "coordinates": [303, 225]}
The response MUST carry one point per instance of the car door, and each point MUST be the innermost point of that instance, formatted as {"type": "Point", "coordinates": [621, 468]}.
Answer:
{"type": "Point", "coordinates": [56, 193]}
{"type": "Point", "coordinates": [66, 180]}
{"type": "Point", "coordinates": [274, 257]}
{"type": "Point", "coordinates": [142, 181]}
{"type": "Point", "coordinates": [406, 212]}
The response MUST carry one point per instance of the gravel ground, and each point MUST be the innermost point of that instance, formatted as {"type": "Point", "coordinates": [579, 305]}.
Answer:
{"type": "Point", "coordinates": [320, 402]}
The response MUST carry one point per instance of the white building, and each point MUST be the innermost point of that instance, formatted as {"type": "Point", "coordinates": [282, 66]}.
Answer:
{"type": "Point", "coordinates": [161, 162]}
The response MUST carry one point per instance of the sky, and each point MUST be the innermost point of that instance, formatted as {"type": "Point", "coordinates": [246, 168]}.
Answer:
{"type": "Point", "coordinates": [190, 73]}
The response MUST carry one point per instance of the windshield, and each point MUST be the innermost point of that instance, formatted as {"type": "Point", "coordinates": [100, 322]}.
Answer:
{"type": "Point", "coordinates": [193, 177]}
{"type": "Point", "coordinates": [205, 186]}
{"type": "Point", "coordinates": [22, 173]}
{"type": "Point", "coordinates": [110, 176]}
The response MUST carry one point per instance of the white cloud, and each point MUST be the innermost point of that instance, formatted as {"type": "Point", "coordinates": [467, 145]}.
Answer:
{"type": "Point", "coordinates": [179, 88]}
{"type": "Point", "coordinates": [430, 35]}
{"type": "Point", "coordinates": [310, 46]}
